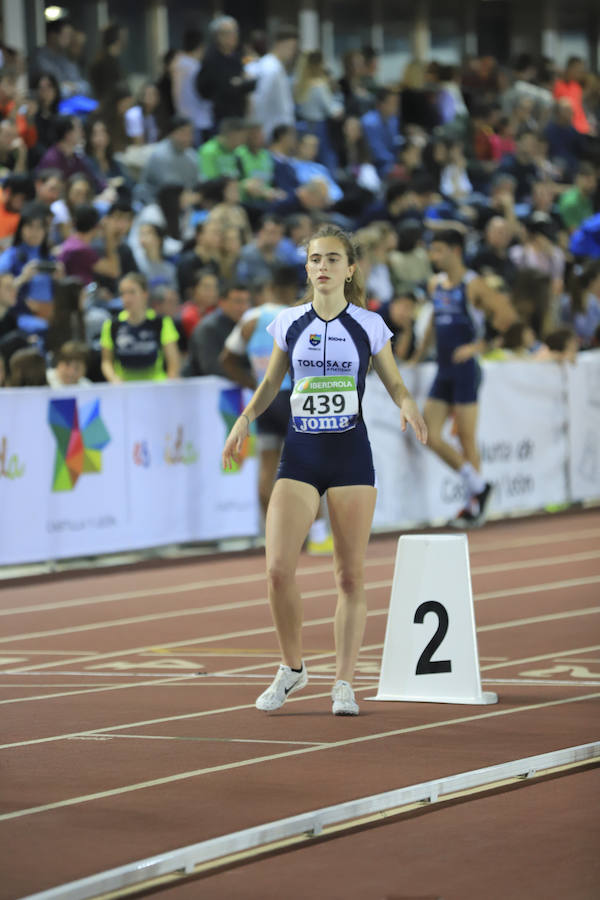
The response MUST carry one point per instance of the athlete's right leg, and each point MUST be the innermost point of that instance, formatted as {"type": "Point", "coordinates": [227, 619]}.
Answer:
{"type": "Point", "coordinates": [267, 470]}
{"type": "Point", "coordinates": [292, 508]}
{"type": "Point", "coordinates": [435, 414]}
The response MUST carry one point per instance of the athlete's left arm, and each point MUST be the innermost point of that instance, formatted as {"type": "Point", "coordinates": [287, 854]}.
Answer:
{"type": "Point", "coordinates": [385, 366]}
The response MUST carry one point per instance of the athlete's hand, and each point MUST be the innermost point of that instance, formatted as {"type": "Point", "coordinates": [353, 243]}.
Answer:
{"type": "Point", "coordinates": [233, 444]}
{"type": "Point", "coordinates": [410, 413]}
{"type": "Point", "coordinates": [464, 353]}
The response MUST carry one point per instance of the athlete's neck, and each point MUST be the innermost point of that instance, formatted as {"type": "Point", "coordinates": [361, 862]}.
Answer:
{"type": "Point", "coordinates": [328, 306]}
{"type": "Point", "coordinates": [455, 273]}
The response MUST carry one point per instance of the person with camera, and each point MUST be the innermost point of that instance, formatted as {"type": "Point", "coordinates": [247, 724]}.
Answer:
{"type": "Point", "coordinates": [34, 269]}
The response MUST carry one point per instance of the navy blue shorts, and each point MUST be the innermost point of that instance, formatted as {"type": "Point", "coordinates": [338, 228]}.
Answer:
{"type": "Point", "coordinates": [328, 460]}
{"type": "Point", "coordinates": [276, 418]}
{"type": "Point", "coordinates": [458, 383]}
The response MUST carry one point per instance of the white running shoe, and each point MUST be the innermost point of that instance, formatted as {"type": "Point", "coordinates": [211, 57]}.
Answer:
{"type": "Point", "coordinates": [285, 683]}
{"type": "Point", "coordinates": [344, 703]}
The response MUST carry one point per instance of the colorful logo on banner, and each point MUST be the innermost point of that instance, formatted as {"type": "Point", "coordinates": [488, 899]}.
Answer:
{"type": "Point", "coordinates": [10, 466]}
{"type": "Point", "coordinates": [141, 454]}
{"type": "Point", "coordinates": [81, 436]}
{"type": "Point", "coordinates": [231, 404]}
{"type": "Point", "coordinates": [179, 451]}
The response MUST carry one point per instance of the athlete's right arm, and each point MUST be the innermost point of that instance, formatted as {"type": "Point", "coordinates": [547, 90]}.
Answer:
{"type": "Point", "coordinates": [261, 400]}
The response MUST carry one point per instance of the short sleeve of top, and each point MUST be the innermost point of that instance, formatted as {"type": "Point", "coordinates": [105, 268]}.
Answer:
{"type": "Point", "coordinates": [168, 332]}
{"type": "Point", "coordinates": [106, 340]}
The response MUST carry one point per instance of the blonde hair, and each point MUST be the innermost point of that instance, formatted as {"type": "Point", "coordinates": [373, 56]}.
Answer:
{"type": "Point", "coordinates": [354, 290]}
{"type": "Point", "coordinates": [310, 69]}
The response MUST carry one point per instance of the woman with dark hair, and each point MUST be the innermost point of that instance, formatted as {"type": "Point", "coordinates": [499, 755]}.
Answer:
{"type": "Point", "coordinates": [105, 71]}
{"type": "Point", "coordinates": [27, 368]}
{"type": "Point", "coordinates": [151, 260]}
{"type": "Point", "coordinates": [30, 262]}
{"type": "Point", "coordinates": [112, 112]}
{"type": "Point", "coordinates": [46, 91]}
{"type": "Point", "coordinates": [99, 150]}
{"type": "Point", "coordinates": [79, 191]}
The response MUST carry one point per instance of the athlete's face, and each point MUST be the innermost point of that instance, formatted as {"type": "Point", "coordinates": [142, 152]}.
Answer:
{"type": "Point", "coordinates": [327, 265]}
{"type": "Point", "coordinates": [440, 255]}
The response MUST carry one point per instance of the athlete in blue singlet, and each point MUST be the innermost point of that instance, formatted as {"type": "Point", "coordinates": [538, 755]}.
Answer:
{"type": "Point", "coordinates": [461, 302]}
{"type": "Point", "coordinates": [327, 343]}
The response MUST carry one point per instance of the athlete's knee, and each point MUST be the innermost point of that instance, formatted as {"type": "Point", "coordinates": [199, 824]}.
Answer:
{"type": "Point", "coordinates": [280, 575]}
{"type": "Point", "coordinates": [349, 578]}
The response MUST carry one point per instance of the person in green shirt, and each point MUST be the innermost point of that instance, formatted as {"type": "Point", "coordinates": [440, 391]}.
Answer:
{"type": "Point", "coordinates": [256, 169]}
{"type": "Point", "coordinates": [139, 344]}
{"type": "Point", "coordinates": [576, 204]}
{"type": "Point", "coordinates": [216, 157]}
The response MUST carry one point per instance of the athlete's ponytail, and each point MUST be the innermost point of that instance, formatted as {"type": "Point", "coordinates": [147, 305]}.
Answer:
{"type": "Point", "coordinates": [354, 290]}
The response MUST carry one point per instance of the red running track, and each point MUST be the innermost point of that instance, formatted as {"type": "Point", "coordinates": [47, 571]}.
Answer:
{"type": "Point", "coordinates": [115, 749]}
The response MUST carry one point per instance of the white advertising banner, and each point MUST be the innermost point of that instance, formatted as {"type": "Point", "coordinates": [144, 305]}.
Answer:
{"type": "Point", "coordinates": [105, 469]}
{"type": "Point", "coordinates": [584, 427]}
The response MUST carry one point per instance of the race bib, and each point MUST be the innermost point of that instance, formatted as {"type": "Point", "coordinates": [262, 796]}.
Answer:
{"type": "Point", "coordinates": [324, 403]}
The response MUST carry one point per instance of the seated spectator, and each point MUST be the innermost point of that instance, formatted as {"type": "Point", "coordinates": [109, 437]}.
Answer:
{"type": "Point", "coordinates": [562, 344]}
{"type": "Point", "coordinates": [208, 338]}
{"type": "Point", "coordinates": [409, 264]}
{"type": "Point", "coordinates": [521, 166]}
{"type": "Point", "coordinates": [13, 150]}
{"type": "Point", "coordinates": [77, 254]}
{"type": "Point", "coordinates": [455, 183]}
{"type": "Point", "coordinates": [577, 203]}
{"type": "Point", "coordinates": [203, 255]}
{"type": "Point", "coordinates": [375, 242]}
{"type": "Point", "coordinates": [29, 260]}
{"type": "Point", "coordinates": [357, 98]}
{"type": "Point", "coordinates": [171, 213]}
{"type": "Point", "coordinates": [173, 161]}
{"type": "Point", "coordinates": [204, 296]}
{"type": "Point", "coordinates": [49, 187]}
{"type": "Point", "coordinates": [53, 59]}
{"type": "Point", "coordinates": [283, 146]}
{"type": "Point", "coordinates": [258, 258]}
{"type": "Point", "coordinates": [316, 106]}
{"type": "Point", "coordinates": [63, 156]}
{"type": "Point", "coordinates": [112, 112]}
{"type": "Point", "coordinates": [78, 192]}
{"type": "Point", "coordinates": [232, 241]}
{"type": "Point", "coordinates": [15, 192]}
{"type": "Point", "coordinates": [100, 154]}
{"type": "Point", "coordinates": [228, 212]}
{"type": "Point", "coordinates": [355, 163]}
{"type": "Point", "coordinates": [142, 119]}
{"type": "Point", "coordinates": [381, 130]}
{"type": "Point", "coordinates": [70, 366]}
{"type": "Point", "coordinates": [152, 263]}
{"type": "Point", "coordinates": [539, 250]}
{"type": "Point", "coordinates": [46, 92]}
{"type": "Point", "coordinates": [571, 87]}
{"type": "Point", "coordinates": [292, 247]}
{"type": "Point", "coordinates": [27, 368]}
{"type": "Point", "coordinates": [565, 143]}
{"type": "Point", "coordinates": [23, 116]}
{"type": "Point", "coordinates": [114, 253]}
{"type": "Point", "coordinates": [492, 256]}
{"type": "Point", "coordinates": [502, 142]}
{"type": "Point", "coordinates": [216, 157]}
{"type": "Point", "coordinates": [307, 169]}
{"type": "Point", "coordinates": [256, 169]}
{"type": "Point", "coordinates": [399, 314]}
{"type": "Point", "coordinates": [581, 306]}
{"type": "Point", "coordinates": [138, 345]}
{"type": "Point", "coordinates": [527, 83]}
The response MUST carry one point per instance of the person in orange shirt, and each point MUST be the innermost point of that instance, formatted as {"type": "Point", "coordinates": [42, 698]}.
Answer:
{"type": "Point", "coordinates": [571, 87]}
{"type": "Point", "coordinates": [15, 192]}
{"type": "Point", "coordinates": [23, 116]}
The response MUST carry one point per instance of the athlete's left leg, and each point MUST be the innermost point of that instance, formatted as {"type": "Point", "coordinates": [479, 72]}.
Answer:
{"type": "Point", "coordinates": [466, 415]}
{"type": "Point", "coordinates": [351, 510]}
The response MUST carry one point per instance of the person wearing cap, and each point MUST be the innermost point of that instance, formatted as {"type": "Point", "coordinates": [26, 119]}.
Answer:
{"type": "Point", "coordinates": [172, 162]}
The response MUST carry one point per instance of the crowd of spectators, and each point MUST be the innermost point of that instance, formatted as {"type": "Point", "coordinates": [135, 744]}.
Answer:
{"type": "Point", "coordinates": [138, 226]}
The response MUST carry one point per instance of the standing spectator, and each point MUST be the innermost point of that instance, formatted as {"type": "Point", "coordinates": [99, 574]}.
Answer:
{"type": "Point", "coordinates": [63, 156]}
{"type": "Point", "coordinates": [316, 105]}
{"type": "Point", "coordinates": [272, 101]}
{"type": "Point", "coordinates": [139, 344]}
{"type": "Point", "coordinates": [381, 130]}
{"type": "Point", "coordinates": [105, 71]}
{"type": "Point", "coordinates": [209, 336]}
{"type": "Point", "coordinates": [70, 366]}
{"type": "Point", "coordinates": [166, 107]}
{"type": "Point", "coordinates": [222, 79]}
{"type": "Point", "coordinates": [186, 99]}
{"type": "Point", "coordinates": [14, 193]}
{"type": "Point", "coordinates": [576, 204]}
{"type": "Point", "coordinates": [54, 59]}
{"type": "Point", "coordinates": [216, 158]}
{"type": "Point", "coordinates": [172, 161]}
{"type": "Point", "coordinates": [77, 254]}
{"type": "Point", "coordinates": [571, 86]}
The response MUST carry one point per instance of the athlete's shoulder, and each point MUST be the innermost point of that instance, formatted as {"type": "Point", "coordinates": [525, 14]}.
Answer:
{"type": "Point", "coordinates": [290, 314]}
{"type": "Point", "coordinates": [372, 324]}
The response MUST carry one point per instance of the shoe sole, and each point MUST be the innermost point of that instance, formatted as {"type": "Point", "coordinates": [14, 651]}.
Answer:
{"type": "Point", "coordinates": [345, 712]}
{"type": "Point", "coordinates": [296, 687]}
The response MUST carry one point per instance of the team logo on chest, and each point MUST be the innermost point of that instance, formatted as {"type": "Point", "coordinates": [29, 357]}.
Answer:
{"type": "Point", "coordinates": [315, 340]}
